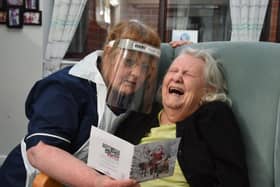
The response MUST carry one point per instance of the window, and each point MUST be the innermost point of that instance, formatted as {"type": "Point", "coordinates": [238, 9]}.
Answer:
{"type": "Point", "coordinates": [91, 35]}
{"type": "Point", "coordinates": [209, 19]}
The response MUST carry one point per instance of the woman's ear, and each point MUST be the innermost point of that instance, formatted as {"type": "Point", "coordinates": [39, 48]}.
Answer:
{"type": "Point", "coordinates": [106, 58]}
{"type": "Point", "coordinates": [105, 65]}
{"type": "Point", "coordinates": [209, 89]}
{"type": "Point", "coordinates": [107, 50]}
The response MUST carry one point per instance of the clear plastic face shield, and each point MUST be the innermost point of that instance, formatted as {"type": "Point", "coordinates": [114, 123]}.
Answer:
{"type": "Point", "coordinates": [132, 77]}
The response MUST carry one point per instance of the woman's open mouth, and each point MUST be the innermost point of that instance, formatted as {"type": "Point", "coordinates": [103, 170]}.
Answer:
{"type": "Point", "coordinates": [176, 91]}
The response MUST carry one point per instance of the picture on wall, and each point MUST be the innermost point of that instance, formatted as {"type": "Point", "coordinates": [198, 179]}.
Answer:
{"type": "Point", "coordinates": [15, 2]}
{"type": "Point", "coordinates": [16, 13]}
{"type": "Point", "coordinates": [3, 16]}
{"type": "Point", "coordinates": [32, 4]}
{"type": "Point", "coordinates": [14, 17]}
{"type": "Point", "coordinates": [190, 35]}
{"type": "Point", "coordinates": [32, 18]}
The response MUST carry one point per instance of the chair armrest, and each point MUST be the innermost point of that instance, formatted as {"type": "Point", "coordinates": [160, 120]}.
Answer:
{"type": "Point", "coordinates": [43, 180]}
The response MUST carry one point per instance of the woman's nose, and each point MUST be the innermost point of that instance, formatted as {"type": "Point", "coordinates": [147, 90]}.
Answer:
{"type": "Point", "coordinates": [136, 70]}
{"type": "Point", "coordinates": [178, 77]}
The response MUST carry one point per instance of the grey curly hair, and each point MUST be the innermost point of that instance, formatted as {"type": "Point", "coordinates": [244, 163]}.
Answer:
{"type": "Point", "coordinates": [214, 75]}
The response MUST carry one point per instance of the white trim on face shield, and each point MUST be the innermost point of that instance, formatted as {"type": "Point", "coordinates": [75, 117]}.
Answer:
{"type": "Point", "coordinates": [136, 46]}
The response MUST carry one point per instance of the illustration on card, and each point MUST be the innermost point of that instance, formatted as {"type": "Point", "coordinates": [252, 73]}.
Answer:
{"type": "Point", "coordinates": [154, 160]}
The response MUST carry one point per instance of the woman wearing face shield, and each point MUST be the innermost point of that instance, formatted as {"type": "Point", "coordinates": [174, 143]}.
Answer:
{"type": "Point", "coordinates": [99, 91]}
{"type": "Point", "coordinates": [135, 67]}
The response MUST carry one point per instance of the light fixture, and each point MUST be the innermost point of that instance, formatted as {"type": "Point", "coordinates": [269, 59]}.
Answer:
{"type": "Point", "coordinates": [102, 13]}
{"type": "Point", "coordinates": [114, 2]}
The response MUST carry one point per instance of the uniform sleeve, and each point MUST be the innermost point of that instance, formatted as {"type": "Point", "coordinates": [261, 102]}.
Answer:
{"type": "Point", "coordinates": [53, 115]}
{"type": "Point", "coordinates": [220, 132]}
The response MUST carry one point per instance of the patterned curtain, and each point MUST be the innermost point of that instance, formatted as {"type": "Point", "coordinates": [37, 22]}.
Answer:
{"type": "Point", "coordinates": [247, 17]}
{"type": "Point", "coordinates": [65, 18]}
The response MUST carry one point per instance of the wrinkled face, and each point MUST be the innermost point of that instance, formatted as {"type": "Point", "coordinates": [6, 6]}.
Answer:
{"type": "Point", "coordinates": [129, 70]}
{"type": "Point", "coordinates": [183, 86]}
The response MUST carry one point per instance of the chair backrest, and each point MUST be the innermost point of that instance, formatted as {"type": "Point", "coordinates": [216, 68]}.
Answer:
{"type": "Point", "coordinates": [253, 74]}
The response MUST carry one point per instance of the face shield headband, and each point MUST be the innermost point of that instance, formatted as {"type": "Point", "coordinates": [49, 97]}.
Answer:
{"type": "Point", "coordinates": [137, 46]}
{"type": "Point", "coordinates": [133, 73]}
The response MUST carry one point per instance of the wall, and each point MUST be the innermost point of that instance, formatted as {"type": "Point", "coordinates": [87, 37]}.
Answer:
{"type": "Point", "coordinates": [21, 65]}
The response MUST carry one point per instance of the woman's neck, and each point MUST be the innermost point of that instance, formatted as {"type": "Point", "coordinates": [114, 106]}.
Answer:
{"type": "Point", "coordinates": [164, 120]}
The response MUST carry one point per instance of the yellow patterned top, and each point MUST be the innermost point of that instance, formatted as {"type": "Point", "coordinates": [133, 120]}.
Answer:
{"type": "Point", "coordinates": [164, 131]}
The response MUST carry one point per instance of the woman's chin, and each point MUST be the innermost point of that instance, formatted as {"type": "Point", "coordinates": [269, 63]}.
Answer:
{"type": "Point", "coordinates": [173, 105]}
{"type": "Point", "coordinates": [128, 90]}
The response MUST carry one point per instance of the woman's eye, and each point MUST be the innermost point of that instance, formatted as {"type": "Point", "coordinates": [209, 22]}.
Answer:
{"type": "Point", "coordinates": [172, 70]}
{"type": "Point", "coordinates": [145, 66]}
{"type": "Point", "coordinates": [188, 74]}
{"type": "Point", "coordinates": [129, 62]}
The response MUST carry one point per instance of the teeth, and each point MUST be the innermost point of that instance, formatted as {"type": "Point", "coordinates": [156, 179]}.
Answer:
{"type": "Point", "coordinates": [176, 91]}
{"type": "Point", "coordinates": [130, 82]}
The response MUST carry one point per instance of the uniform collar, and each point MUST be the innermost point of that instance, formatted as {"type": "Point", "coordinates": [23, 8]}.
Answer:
{"type": "Point", "coordinates": [87, 68]}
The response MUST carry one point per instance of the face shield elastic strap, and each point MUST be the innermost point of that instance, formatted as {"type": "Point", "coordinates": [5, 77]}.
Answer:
{"type": "Point", "coordinates": [137, 46]}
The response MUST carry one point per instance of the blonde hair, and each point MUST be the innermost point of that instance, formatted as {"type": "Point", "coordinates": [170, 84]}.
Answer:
{"type": "Point", "coordinates": [214, 76]}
